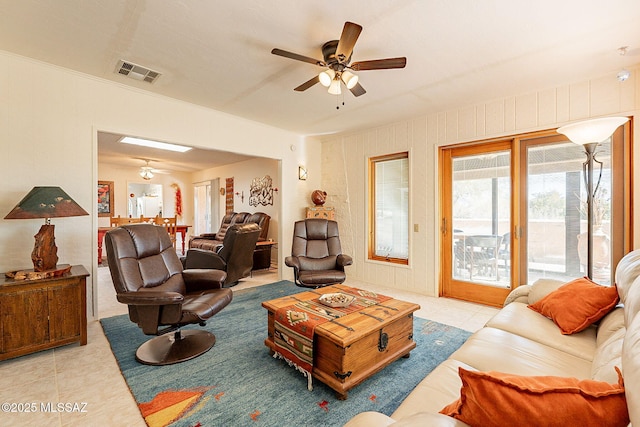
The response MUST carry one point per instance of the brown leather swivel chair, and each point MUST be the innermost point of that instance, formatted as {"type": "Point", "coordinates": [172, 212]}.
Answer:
{"type": "Point", "coordinates": [316, 255]}
{"type": "Point", "coordinates": [162, 297]}
{"type": "Point", "coordinates": [235, 255]}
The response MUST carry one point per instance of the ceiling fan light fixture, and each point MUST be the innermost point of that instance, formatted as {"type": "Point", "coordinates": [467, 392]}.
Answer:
{"type": "Point", "coordinates": [623, 75]}
{"type": "Point", "coordinates": [146, 172]}
{"type": "Point", "coordinates": [334, 87]}
{"type": "Point", "coordinates": [349, 79]}
{"type": "Point", "coordinates": [326, 77]}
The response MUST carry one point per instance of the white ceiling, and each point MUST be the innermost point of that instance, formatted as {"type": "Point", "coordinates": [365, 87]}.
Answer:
{"type": "Point", "coordinates": [217, 53]}
{"type": "Point", "coordinates": [111, 150]}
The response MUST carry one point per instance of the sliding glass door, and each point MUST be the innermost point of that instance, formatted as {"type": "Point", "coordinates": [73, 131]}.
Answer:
{"type": "Point", "coordinates": [477, 222]}
{"type": "Point", "coordinates": [513, 211]}
{"type": "Point", "coordinates": [556, 219]}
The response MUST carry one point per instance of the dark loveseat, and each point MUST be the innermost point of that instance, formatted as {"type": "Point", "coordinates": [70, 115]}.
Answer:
{"type": "Point", "coordinates": [211, 241]}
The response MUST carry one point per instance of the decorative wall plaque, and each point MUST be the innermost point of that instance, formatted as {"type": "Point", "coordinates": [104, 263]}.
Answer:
{"type": "Point", "coordinates": [229, 195]}
{"type": "Point", "coordinates": [261, 191]}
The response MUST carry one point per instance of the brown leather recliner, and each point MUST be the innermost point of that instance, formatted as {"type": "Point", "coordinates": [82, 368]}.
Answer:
{"type": "Point", "coordinates": [211, 241]}
{"type": "Point", "coordinates": [162, 297]}
{"type": "Point", "coordinates": [235, 256]}
{"type": "Point", "coordinates": [316, 254]}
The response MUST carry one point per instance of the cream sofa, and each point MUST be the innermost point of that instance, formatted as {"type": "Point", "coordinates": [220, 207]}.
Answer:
{"type": "Point", "coordinates": [519, 341]}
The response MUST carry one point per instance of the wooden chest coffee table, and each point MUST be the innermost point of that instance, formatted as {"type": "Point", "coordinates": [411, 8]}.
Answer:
{"type": "Point", "coordinates": [351, 348]}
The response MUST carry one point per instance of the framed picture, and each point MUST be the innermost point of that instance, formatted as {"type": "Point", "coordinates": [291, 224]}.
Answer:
{"type": "Point", "coordinates": [105, 198]}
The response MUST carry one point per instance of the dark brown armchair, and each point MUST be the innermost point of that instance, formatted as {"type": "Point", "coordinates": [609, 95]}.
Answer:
{"type": "Point", "coordinates": [162, 297]}
{"type": "Point", "coordinates": [234, 256]}
{"type": "Point", "coordinates": [316, 254]}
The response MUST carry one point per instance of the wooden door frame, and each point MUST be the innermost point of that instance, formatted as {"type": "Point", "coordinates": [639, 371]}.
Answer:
{"type": "Point", "coordinates": [621, 230]}
{"type": "Point", "coordinates": [450, 287]}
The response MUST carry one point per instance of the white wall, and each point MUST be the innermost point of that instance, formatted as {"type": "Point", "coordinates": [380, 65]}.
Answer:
{"type": "Point", "coordinates": [421, 136]}
{"type": "Point", "coordinates": [123, 175]}
{"type": "Point", "coordinates": [243, 174]}
{"type": "Point", "coordinates": [49, 119]}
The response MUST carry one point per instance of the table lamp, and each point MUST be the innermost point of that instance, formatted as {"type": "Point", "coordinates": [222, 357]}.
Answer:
{"type": "Point", "coordinates": [45, 202]}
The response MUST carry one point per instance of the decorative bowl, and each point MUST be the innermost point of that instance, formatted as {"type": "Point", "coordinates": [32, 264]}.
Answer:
{"type": "Point", "coordinates": [336, 299]}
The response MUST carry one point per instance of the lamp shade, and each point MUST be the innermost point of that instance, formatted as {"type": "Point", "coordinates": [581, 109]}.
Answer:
{"type": "Point", "coordinates": [145, 173]}
{"type": "Point", "coordinates": [334, 88]}
{"type": "Point", "coordinates": [590, 131]}
{"type": "Point", "coordinates": [349, 79]}
{"type": "Point", "coordinates": [46, 202]}
{"type": "Point", "coordinates": [326, 77]}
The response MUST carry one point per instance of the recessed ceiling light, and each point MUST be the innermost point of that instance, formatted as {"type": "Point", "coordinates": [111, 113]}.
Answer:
{"type": "Point", "coordinates": [154, 144]}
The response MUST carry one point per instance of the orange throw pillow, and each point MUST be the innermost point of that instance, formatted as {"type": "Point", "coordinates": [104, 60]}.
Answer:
{"type": "Point", "coordinates": [489, 399]}
{"type": "Point", "coordinates": [577, 304]}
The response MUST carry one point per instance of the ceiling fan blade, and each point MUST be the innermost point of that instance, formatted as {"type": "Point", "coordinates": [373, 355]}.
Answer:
{"type": "Point", "coordinates": [161, 171]}
{"type": "Point", "coordinates": [306, 85]}
{"type": "Point", "coordinates": [358, 90]}
{"type": "Point", "coordinates": [297, 57]}
{"type": "Point", "coordinates": [350, 34]}
{"type": "Point", "coordinates": [379, 64]}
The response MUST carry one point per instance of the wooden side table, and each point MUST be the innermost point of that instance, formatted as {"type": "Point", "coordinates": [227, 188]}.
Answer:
{"type": "Point", "coordinates": [262, 255]}
{"type": "Point", "coordinates": [321, 212]}
{"type": "Point", "coordinates": [41, 314]}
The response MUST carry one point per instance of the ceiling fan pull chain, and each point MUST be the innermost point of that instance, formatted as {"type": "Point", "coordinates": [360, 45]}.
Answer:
{"type": "Point", "coordinates": [338, 100]}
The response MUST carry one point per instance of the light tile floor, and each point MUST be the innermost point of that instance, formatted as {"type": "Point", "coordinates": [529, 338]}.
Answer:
{"type": "Point", "coordinates": [88, 377]}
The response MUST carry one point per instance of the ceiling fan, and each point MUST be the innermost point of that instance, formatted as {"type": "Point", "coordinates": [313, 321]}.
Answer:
{"type": "Point", "coordinates": [337, 60]}
{"type": "Point", "coordinates": [147, 172]}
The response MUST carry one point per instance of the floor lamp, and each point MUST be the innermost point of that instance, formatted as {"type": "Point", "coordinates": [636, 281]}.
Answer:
{"type": "Point", "coordinates": [590, 134]}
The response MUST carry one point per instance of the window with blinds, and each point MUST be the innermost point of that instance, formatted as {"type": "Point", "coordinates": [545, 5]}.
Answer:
{"type": "Point", "coordinates": [389, 208]}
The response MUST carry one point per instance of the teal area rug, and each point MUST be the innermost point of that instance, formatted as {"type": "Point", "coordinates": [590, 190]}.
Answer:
{"type": "Point", "coordinates": [237, 383]}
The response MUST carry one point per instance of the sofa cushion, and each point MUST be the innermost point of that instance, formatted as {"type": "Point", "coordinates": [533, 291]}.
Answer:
{"type": "Point", "coordinates": [632, 303]}
{"type": "Point", "coordinates": [608, 356]}
{"type": "Point", "coordinates": [492, 349]}
{"type": "Point", "coordinates": [520, 320]}
{"type": "Point", "coordinates": [577, 304]}
{"type": "Point", "coordinates": [496, 399]}
{"type": "Point", "coordinates": [421, 419]}
{"type": "Point", "coordinates": [611, 323]}
{"type": "Point", "coordinates": [437, 389]}
{"type": "Point", "coordinates": [430, 419]}
{"type": "Point", "coordinates": [205, 244]}
{"type": "Point", "coordinates": [631, 367]}
{"type": "Point", "coordinates": [543, 287]}
{"type": "Point", "coordinates": [227, 221]}
{"type": "Point", "coordinates": [627, 271]}
{"type": "Point", "coordinates": [370, 418]}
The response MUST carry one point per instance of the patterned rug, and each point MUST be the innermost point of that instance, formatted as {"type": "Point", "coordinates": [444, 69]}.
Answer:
{"type": "Point", "coordinates": [238, 383]}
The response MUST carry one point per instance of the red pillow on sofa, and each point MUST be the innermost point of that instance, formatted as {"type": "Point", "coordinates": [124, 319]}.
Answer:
{"type": "Point", "coordinates": [577, 304]}
{"type": "Point", "coordinates": [490, 399]}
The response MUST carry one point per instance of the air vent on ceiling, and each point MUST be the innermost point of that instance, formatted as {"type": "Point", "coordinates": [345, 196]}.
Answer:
{"type": "Point", "coordinates": [137, 72]}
